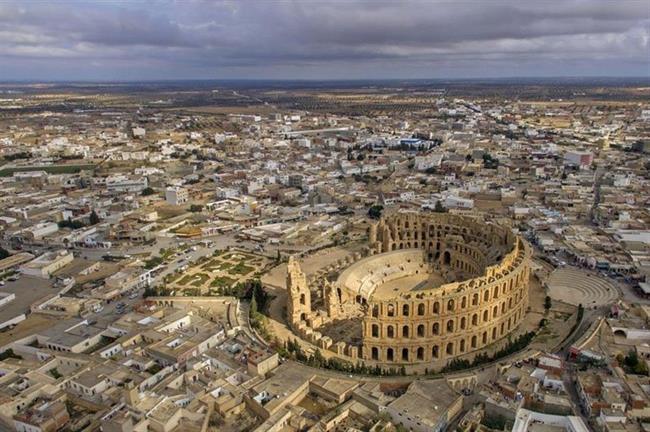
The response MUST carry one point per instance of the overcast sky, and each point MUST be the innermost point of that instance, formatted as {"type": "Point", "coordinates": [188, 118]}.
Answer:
{"type": "Point", "coordinates": [313, 39]}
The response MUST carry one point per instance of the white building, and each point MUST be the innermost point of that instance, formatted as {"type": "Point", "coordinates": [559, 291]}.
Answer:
{"type": "Point", "coordinates": [40, 230]}
{"type": "Point", "coordinates": [423, 163]}
{"type": "Point", "coordinates": [176, 195]}
{"type": "Point", "coordinates": [138, 132]}
{"type": "Point", "coordinates": [526, 418]}
{"type": "Point", "coordinates": [120, 183]}
{"type": "Point", "coordinates": [581, 159]}
{"type": "Point", "coordinates": [454, 202]}
{"type": "Point", "coordinates": [46, 264]}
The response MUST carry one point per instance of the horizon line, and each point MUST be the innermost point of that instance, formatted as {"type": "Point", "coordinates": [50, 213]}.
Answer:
{"type": "Point", "coordinates": [163, 80]}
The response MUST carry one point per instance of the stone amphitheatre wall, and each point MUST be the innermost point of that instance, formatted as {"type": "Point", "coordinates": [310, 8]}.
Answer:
{"type": "Point", "coordinates": [457, 318]}
{"type": "Point", "coordinates": [425, 325]}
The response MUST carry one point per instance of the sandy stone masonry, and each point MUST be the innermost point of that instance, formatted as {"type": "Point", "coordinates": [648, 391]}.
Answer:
{"type": "Point", "coordinates": [430, 287]}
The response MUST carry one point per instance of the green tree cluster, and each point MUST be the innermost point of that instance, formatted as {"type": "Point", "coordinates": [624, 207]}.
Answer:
{"type": "Point", "coordinates": [374, 212]}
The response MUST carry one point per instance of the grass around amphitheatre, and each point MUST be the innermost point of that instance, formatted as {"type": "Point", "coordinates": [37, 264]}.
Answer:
{"type": "Point", "coordinates": [216, 274]}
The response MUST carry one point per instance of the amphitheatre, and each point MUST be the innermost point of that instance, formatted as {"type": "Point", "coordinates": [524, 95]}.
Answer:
{"type": "Point", "coordinates": [424, 289]}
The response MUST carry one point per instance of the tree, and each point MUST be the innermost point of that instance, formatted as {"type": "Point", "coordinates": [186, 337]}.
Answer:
{"type": "Point", "coordinates": [490, 162]}
{"type": "Point", "coordinates": [94, 218]}
{"type": "Point", "coordinates": [374, 212]}
{"type": "Point", "coordinates": [439, 208]}
{"type": "Point", "coordinates": [4, 253]}
{"type": "Point", "coordinates": [147, 191]}
{"type": "Point", "coordinates": [196, 208]}
{"type": "Point", "coordinates": [72, 224]}
{"type": "Point", "coordinates": [430, 170]}
{"type": "Point", "coordinates": [547, 303]}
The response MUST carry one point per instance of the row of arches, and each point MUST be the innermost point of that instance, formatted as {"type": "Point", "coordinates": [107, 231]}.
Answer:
{"type": "Point", "coordinates": [450, 306]}
{"type": "Point", "coordinates": [440, 351]}
{"type": "Point", "coordinates": [435, 352]}
{"type": "Point", "coordinates": [437, 328]}
{"type": "Point", "coordinates": [400, 227]}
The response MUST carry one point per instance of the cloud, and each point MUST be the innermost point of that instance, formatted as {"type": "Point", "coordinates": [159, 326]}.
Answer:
{"type": "Point", "coordinates": [323, 39]}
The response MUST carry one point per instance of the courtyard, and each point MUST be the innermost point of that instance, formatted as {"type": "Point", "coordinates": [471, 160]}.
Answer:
{"type": "Point", "coordinates": [215, 274]}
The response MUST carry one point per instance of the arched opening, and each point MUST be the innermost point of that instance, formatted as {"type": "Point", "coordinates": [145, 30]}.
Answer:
{"type": "Point", "coordinates": [389, 354]}
{"type": "Point", "coordinates": [375, 353]}
{"type": "Point", "coordinates": [474, 341]}
{"type": "Point", "coordinates": [420, 353]}
{"type": "Point", "coordinates": [421, 330]}
{"type": "Point", "coordinates": [390, 310]}
{"type": "Point", "coordinates": [494, 333]}
{"type": "Point", "coordinates": [450, 326]}
{"type": "Point", "coordinates": [486, 295]}
{"type": "Point", "coordinates": [435, 352]}
{"type": "Point", "coordinates": [435, 329]}
{"type": "Point", "coordinates": [486, 316]}
{"type": "Point", "coordinates": [450, 305]}
{"type": "Point", "coordinates": [405, 331]}
{"type": "Point", "coordinates": [463, 303]}
{"type": "Point", "coordinates": [474, 319]}
{"type": "Point", "coordinates": [303, 317]}
{"type": "Point", "coordinates": [620, 333]}
{"type": "Point", "coordinates": [461, 346]}
{"type": "Point", "coordinates": [446, 258]}
{"type": "Point", "coordinates": [495, 311]}
{"type": "Point", "coordinates": [475, 300]}
{"type": "Point", "coordinates": [302, 299]}
{"type": "Point", "coordinates": [390, 332]}
{"type": "Point", "coordinates": [421, 309]}
{"type": "Point", "coordinates": [405, 310]}
{"type": "Point", "coordinates": [450, 348]}
{"type": "Point", "coordinates": [405, 354]}
{"type": "Point", "coordinates": [484, 338]}
{"type": "Point", "coordinates": [375, 330]}
{"type": "Point", "coordinates": [436, 307]}
{"type": "Point", "coordinates": [463, 322]}
{"type": "Point", "coordinates": [375, 311]}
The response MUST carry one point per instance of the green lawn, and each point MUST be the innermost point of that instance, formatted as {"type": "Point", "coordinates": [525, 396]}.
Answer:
{"type": "Point", "coordinates": [200, 279]}
{"type": "Point", "coordinates": [241, 269]}
{"type": "Point", "coordinates": [222, 281]}
{"type": "Point", "coordinates": [50, 169]}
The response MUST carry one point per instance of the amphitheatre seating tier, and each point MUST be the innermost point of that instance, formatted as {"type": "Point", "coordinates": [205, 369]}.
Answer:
{"type": "Point", "coordinates": [362, 277]}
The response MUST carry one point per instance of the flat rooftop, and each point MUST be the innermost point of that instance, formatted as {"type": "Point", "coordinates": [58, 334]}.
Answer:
{"type": "Point", "coordinates": [28, 290]}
